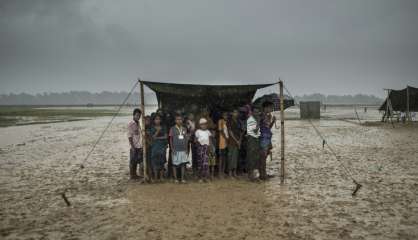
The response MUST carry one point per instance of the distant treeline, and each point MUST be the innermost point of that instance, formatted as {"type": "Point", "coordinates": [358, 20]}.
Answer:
{"type": "Point", "coordinates": [341, 99]}
{"type": "Point", "coordinates": [112, 98]}
{"type": "Point", "coordinates": [74, 98]}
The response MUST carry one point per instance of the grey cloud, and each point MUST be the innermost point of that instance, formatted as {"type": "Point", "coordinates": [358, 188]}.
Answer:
{"type": "Point", "coordinates": [323, 46]}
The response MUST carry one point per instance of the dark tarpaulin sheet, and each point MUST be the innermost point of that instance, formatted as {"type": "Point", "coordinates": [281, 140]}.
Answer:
{"type": "Point", "coordinates": [194, 97]}
{"type": "Point", "coordinates": [398, 99]}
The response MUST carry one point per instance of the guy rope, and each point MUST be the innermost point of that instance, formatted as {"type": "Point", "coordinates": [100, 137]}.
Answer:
{"type": "Point", "coordinates": [63, 194]}
{"type": "Point", "coordinates": [337, 157]}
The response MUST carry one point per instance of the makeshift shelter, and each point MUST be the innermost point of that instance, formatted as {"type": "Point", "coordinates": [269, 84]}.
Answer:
{"type": "Point", "coordinates": [310, 110]}
{"type": "Point", "coordinates": [405, 100]}
{"type": "Point", "coordinates": [194, 97]}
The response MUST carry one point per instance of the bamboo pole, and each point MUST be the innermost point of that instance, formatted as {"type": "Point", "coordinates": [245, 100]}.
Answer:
{"type": "Point", "coordinates": [282, 132]}
{"type": "Point", "coordinates": [143, 132]}
{"type": "Point", "coordinates": [387, 105]}
{"type": "Point", "coordinates": [408, 116]}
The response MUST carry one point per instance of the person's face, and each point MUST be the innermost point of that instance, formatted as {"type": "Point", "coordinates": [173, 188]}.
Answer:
{"type": "Point", "coordinates": [191, 117]}
{"type": "Point", "coordinates": [137, 116]}
{"type": "Point", "coordinates": [204, 126]}
{"type": "Point", "coordinates": [224, 115]}
{"type": "Point", "coordinates": [147, 120]}
{"type": "Point", "coordinates": [268, 109]}
{"type": "Point", "coordinates": [179, 121]}
{"type": "Point", "coordinates": [235, 114]}
{"type": "Point", "coordinates": [157, 121]}
{"type": "Point", "coordinates": [256, 112]}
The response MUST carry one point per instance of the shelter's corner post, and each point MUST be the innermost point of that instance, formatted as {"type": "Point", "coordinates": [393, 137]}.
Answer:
{"type": "Point", "coordinates": [408, 114]}
{"type": "Point", "coordinates": [282, 165]}
{"type": "Point", "coordinates": [143, 131]}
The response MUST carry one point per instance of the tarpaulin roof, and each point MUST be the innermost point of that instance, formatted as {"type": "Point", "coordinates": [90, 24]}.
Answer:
{"type": "Point", "coordinates": [398, 99]}
{"type": "Point", "coordinates": [192, 97]}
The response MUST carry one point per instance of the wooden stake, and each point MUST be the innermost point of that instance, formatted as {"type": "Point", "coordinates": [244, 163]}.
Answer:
{"type": "Point", "coordinates": [282, 131]}
{"type": "Point", "coordinates": [144, 139]}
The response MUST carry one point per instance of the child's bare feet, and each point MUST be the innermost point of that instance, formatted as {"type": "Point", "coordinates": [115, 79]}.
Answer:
{"type": "Point", "coordinates": [183, 181]}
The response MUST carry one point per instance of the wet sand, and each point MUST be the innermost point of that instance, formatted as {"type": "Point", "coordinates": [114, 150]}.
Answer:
{"type": "Point", "coordinates": [314, 203]}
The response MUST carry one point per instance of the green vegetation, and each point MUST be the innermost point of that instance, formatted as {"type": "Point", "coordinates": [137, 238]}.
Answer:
{"type": "Point", "coordinates": [13, 116]}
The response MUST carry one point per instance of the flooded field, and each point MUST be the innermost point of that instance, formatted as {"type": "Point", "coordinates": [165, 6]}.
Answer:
{"type": "Point", "coordinates": [37, 162]}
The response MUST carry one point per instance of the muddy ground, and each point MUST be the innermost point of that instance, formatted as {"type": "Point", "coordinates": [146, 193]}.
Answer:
{"type": "Point", "coordinates": [38, 162]}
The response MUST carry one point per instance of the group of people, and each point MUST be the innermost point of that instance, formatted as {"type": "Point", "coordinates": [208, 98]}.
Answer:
{"type": "Point", "coordinates": [217, 144]}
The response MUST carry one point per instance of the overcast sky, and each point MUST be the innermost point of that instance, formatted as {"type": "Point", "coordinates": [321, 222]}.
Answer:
{"type": "Point", "coordinates": [326, 46]}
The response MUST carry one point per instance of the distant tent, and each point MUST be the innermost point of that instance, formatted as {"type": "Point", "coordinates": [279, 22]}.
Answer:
{"type": "Point", "coordinates": [275, 99]}
{"type": "Point", "coordinates": [193, 97]}
{"type": "Point", "coordinates": [398, 100]}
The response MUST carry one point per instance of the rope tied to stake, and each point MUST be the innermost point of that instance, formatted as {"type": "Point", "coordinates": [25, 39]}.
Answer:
{"type": "Point", "coordinates": [337, 157]}
{"type": "Point", "coordinates": [63, 194]}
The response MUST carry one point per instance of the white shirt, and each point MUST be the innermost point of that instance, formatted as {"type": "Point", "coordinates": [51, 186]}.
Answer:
{"type": "Point", "coordinates": [134, 132]}
{"type": "Point", "coordinates": [203, 136]}
{"type": "Point", "coordinates": [251, 126]}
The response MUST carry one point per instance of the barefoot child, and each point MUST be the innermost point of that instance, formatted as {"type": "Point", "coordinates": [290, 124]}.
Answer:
{"type": "Point", "coordinates": [179, 147]}
{"type": "Point", "coordinates": [266, 123]}
{"type": "Point", "coordinates": [135, 141]}
{"type": "Point", "coordinates": [158, 134]}
{"type": "Point", "coordinates": [203, 142]}
{"type": "Point", "coordinates": [223, 139]}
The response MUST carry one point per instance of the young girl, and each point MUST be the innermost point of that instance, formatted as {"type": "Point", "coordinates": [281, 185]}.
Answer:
{"type": "Point", "coordinates": [158, 135]}
{"type": "Point", "coordinates": [179, 140]}
{"type": "Point", "coordinates": [204, 149]}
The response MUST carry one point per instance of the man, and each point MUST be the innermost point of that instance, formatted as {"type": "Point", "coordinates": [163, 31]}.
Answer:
{"type": "Point", "coordinates": [253, 143]}
{"type": "Point", "coordinates": [234, 143]}
{"type": "Point", "coordinates": [266, 123]}
{"type": "Point", "coordinates": [135, 141]}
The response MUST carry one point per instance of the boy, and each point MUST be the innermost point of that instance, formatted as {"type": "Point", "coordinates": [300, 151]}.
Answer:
{"type": "Point", "coordinates": [135, 141]}
{"type": "Point", "coordinates": [266, 123]}
{"type": "Point", "coordinates": [223, 138]}
{"type": "Point", "coordinates": [179, 140]}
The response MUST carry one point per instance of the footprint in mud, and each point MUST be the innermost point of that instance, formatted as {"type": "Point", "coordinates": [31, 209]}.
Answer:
{"type": "Point", "coordinates": [152, 233]}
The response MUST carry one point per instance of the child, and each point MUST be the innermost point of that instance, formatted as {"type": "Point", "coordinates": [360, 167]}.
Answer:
{"type": "Point", "coordinates": [135, 141]}
{"type": "Point", "coordinates": [191, 128]}
{"type": "Point", "coordinates": [179, 147]}
{"type": "Point", "coordinates": [223, 138]}
{"type": "Point", "coordinates": [266, 123]}
{"type": "Point", "coordinates": [158, 147]}
{"type": "Point", "coordinates": [203, 142]}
